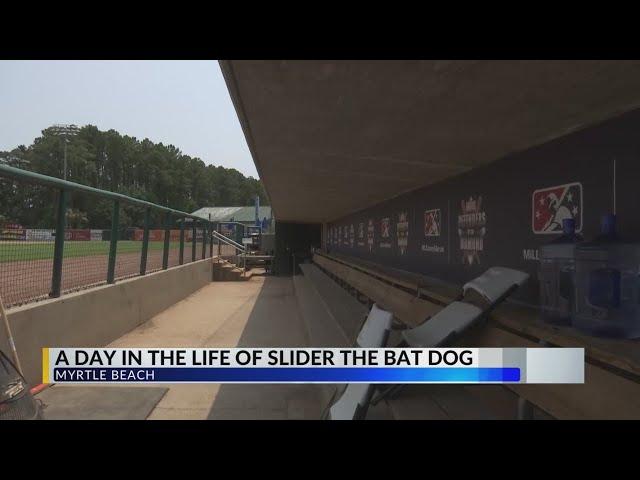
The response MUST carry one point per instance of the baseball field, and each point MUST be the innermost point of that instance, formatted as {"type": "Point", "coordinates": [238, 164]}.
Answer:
{"type": "Point", "coordinates": [13, 251]}
{"type": "Point", "coordinates": [26, 267]}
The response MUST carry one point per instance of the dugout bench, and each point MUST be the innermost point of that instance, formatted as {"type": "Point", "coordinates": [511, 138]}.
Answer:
{"type": "Point", "coordinates": [612, 370]}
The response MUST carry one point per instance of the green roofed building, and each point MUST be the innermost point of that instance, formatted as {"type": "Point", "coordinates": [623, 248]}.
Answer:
{"type": "Point", "coordinates": [245, 215]}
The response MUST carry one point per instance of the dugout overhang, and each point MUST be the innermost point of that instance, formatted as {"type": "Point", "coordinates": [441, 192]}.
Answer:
{"type": "Point", "coordinates": [333, 137]}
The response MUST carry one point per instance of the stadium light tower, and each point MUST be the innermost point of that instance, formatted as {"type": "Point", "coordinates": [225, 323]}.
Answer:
{"type": "Point", "coordinates": [64, 131]}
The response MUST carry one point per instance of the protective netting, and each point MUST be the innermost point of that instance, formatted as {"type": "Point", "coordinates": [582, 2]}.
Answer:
{"type": "Point", "coordinates": [174, 242]}
{"type": "Point", "coordinates": [86, 243]}
{"type": "Point", "coordinates": [156, 241]}
{"type": "Point", "coordinates": [27, 241]}
{"type": "Point", "coordinates": [129, 247]}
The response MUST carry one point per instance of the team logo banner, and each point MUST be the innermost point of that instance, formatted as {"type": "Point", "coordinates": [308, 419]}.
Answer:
{"type": "Point", "coordinates": [550, 206]}
{"type": "Point", "coordinates": [313, 365]}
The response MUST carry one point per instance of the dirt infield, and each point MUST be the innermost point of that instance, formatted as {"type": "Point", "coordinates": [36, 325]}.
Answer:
{"type": "Point", "coordinates": [26, 281]}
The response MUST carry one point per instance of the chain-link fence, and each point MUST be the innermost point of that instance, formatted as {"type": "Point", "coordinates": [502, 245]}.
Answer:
{"type": "Point", "coordinates": [124, 238]}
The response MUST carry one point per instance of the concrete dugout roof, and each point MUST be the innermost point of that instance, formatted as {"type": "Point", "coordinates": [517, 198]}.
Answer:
{"type": "Point", "coordinates": [333, 137]}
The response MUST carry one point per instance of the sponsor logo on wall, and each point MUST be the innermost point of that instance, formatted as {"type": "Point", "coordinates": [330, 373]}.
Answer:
{"type": "Point", "coordinates": [96, 235]}
{"type": "Point", "coordinates": [77, 234]}
{"type": "Point", "coordinates": [157, 235]}
{"type": "Point", "coordinates": [13, 232]}
{"type": "Point", "coordinates": [370, 234]}
{"type": "Point", "coordinates": [471, 230]}
{"type": "Point", "coordinates": [402, 232]}
{"type": "Point", "coordinates": [44, 234]}
{"type": "Point", "coordinates": [361, 234]}
{"type": "Point", "coordinates": [551, 205]}
{"type": "Point", "coordinates": [385, 233]}
{"type": "Point", "coordinates": [432, 229]}
{"type": "Point", "coordinates": [432, 223]}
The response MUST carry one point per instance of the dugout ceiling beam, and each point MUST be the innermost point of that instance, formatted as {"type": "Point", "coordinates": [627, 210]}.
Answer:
{"type": "Point", "coordinates": [332, 137]}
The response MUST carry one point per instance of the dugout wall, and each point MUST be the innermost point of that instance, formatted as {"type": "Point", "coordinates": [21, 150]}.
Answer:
{"type": "Point", "coordinates": [500, 214]}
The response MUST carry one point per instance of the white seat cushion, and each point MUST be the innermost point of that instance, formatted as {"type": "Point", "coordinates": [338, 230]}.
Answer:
{"type": "Point", "coordinates": [493, 283]}
{"type": "Point", "coordinates": [374, 330]}
{"type": "Point", "coordinates": [455, 317]}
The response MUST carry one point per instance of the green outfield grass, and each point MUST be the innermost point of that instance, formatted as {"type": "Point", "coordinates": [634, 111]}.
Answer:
{"type": "Point", "coordinates": [23, 251]}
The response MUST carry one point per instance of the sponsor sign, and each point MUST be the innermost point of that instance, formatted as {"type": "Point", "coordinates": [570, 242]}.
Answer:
{"type": "Point", "coordinates": [432, 220]}
{"type": "Point", "coordinates": [432, 228]}
{"type": "Point", "coordinates": [361, 234]}
{"type": "Point", "coordinates": [385, 233]}
{"type": "Point", "coordinates": [370, 234]}
{"type": "Point", "coordinates": [76, 234]}
{"type": "Point", "coordinates": [157, 235]}
{"type": "Point", "coordinates": [226, 229]}
{"type": "Point", "coordinates": [472, 229]}
{"type": "Point", "coordinates": [13, 234]}
{"type": "Point", "coordinates": [39, 234]}
{"type": "Point", "coordinates": [402, 232]}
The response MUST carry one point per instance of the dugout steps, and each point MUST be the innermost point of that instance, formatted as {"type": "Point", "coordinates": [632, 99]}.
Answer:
{"type": "Point", "coordinates": [225, 271]}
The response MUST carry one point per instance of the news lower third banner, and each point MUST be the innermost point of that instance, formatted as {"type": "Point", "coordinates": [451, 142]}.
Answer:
{"type": "Point", "coordinates": [313, 365]}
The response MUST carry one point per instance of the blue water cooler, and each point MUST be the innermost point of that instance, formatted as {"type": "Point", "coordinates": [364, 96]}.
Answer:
{"type": "Point", "coordinates": [557, 275]}
{"type": "Point", "coordinates": [608, 285]}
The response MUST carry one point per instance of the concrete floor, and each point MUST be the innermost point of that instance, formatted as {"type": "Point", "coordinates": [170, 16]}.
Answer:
{"type": "Point", "coordinates": [109, 402]}
{"type": "Point", "coordinates": [261, 312]}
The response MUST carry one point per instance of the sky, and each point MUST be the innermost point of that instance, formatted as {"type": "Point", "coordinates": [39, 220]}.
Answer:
{"type": "Point", "coordinates": [179, 102]}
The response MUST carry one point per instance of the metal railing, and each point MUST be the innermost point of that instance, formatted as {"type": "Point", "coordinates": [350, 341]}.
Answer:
{"type": "Point", "coordinates": [201, 232]}
{"type": "Point", "coordinates": [221, 238]}
{"type": "Point", "coordinates": [240, 250]}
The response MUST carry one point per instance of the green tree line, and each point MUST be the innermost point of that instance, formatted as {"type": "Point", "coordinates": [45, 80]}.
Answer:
{"type": "Point", "coordinates": [107, 160]}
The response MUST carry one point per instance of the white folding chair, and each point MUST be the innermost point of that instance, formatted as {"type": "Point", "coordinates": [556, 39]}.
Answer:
{"type": "Point", "coordinates": [493, 286]}
{"type": "Point", "coordinates": [355, 399]}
